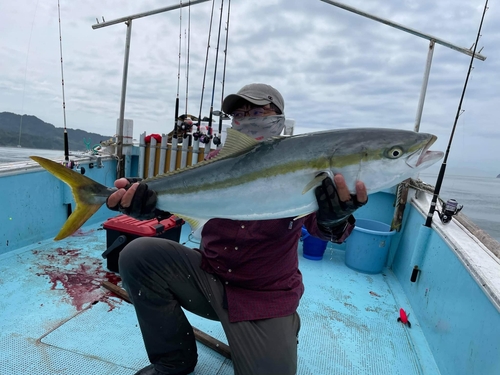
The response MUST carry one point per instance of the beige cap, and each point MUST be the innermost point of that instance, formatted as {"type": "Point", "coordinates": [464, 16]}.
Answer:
{"type": "Point", "coordinates": [256, 93]}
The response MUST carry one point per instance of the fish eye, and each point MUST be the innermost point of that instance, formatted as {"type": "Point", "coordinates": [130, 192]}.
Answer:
{"type": "Point", "coordinates": [395, 152]}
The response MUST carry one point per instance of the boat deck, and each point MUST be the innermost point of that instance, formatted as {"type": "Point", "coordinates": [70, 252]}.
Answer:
{"type": "Point", "coordinates": [57, 319]}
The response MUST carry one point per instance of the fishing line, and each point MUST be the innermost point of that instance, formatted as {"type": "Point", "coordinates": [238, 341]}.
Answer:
{"type": "Point", "coordinates": [25, 74]}
{"type": "Point", "coordinates": [66, 146]}
{"type": "Point", "coordinates": [188, 54]}
{"type": "Point", "coordinates": [440, 178]}
{"type": "Point", "coordinates": [224, 69]}
{"type": "Point", "coordinates": [215, 70]}
{"type": "Point", "coordinates": [174, 135]}
{"type": "Point", "coordinates": [206, 62]}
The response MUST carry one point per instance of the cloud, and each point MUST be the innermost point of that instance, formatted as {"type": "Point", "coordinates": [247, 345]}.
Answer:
{"type": "Point", "coordinates": [335, 69]}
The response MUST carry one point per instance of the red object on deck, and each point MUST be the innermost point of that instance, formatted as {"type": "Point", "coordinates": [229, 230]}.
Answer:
{"type": "Point", "coordinates": [403, 317]}
{"type": "Point", "coordinates": [122, 229]}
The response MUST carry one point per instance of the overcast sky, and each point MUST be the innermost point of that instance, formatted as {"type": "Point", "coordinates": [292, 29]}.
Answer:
{"type": "Point", "coordinates": [334, 68]}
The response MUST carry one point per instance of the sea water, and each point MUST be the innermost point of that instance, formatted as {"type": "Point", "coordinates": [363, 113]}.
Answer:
{"type": "Point", "coordinates": [480, 196]}
{"type": "Point", "coordinates": [15, 154]}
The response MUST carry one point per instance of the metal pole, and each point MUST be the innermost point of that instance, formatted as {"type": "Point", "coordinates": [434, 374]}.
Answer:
{"type": "Point", "coordinates": [421, 101]}
{"type": "Point", "coordinates": [467, 51]}
{"type": "Point", "coordinates": [120, 168]}
{"type": "Point", "coordinates": [419, 253]}
{"type": "Point", "coordinates": [145, 14]}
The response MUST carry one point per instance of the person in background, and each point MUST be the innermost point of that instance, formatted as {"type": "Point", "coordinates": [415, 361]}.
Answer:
{"type": "Point", "coordinates": [245, 273]}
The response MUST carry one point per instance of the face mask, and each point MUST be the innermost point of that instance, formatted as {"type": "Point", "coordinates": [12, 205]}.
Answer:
{"type": "Point", "coordinates": [260, 128]}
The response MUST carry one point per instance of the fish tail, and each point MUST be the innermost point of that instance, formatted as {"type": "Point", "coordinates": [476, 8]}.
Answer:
{"type": "Point", "coordinates": [89, 195]}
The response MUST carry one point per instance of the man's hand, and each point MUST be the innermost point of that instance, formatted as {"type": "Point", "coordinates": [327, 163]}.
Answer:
{"type": "Point", "coordinates": [335, 201]}
{"type": "Point", "coordinates": [133, 198]}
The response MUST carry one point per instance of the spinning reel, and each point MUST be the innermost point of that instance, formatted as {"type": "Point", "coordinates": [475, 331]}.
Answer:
{"type": "Point", "coordinates": [450, 209]}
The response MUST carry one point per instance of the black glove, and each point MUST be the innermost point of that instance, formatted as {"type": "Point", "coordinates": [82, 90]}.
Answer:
{"type": "Point", "coordinates": [331, 210]}
{"type": "Point", "coordinates": [334, 216]}
{"type": "Point", "coordinates": [143, 205]}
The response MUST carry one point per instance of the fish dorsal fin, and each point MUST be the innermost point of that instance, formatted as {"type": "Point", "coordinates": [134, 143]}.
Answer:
{"type": "Point", "coordinates": [236, 143]}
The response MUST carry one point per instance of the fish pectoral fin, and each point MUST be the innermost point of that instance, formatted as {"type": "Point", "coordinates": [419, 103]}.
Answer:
{"type": "Point", "coordinates": [236, 142]}
{"type": "Point", "coordinates": [316, 181]}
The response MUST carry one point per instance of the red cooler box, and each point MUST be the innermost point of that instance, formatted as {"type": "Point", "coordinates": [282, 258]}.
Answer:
{"type": "Point", "coordinates": [122, 229]}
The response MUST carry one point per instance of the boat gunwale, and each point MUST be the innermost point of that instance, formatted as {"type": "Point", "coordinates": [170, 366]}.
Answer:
{"type": "Point", "coordinates": [29, 166]}
{"type": "Point", "coordinates": [476, 265]}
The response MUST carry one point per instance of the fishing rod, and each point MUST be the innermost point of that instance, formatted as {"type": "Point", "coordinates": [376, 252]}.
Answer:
{"type": "Point", "coordinates": [173, 150]}
{"type": "Point", "coordinates": [215, 71]}
{"type": "Point", "coordinates": [440, 178]}
{"type": "Point", "coordinates": [221, 114]}
{"type": "Point", "coordinates": [206, 62]}
{"type": "Point", "coordinates": [187, 55]}
{"type": "Point", "coordinates": [174, 135]}
{"type": "Point", "coordinates": [66, 145]}
{"type": "Point", "coordinates": [187, 123]}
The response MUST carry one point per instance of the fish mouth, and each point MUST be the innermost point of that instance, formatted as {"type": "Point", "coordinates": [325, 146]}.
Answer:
{"type": "Point", "coordinates": [425, 157]}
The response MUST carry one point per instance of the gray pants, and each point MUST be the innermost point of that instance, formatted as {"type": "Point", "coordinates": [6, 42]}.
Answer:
{"type": "Point", "coordinates": [161, 276]}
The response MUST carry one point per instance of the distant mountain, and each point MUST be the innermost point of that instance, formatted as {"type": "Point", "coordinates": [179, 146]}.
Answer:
{"type": "Point", "coordinates": [36, 133]}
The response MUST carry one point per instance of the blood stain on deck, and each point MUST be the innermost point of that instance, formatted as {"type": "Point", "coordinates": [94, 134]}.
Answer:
{"type": "Point", "coordinates": [80, 276]}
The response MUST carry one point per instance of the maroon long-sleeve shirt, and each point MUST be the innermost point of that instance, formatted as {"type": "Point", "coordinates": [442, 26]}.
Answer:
{"type": "Point", "coordinates": [258, 262]}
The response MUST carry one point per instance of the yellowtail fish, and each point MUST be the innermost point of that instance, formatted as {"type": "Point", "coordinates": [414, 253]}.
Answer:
{"type": "Point", "coordinates": [275, 178]}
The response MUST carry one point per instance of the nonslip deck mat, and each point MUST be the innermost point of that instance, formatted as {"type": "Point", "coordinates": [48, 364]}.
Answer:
{"type": "Point", "coordinates": [21, 355]}
{"type": "Point", "coordinates": [114, 336]}
{"type": "Point", "coordinates": [349, 323]}
{"type": "Point", "coordinates": [55, 319]}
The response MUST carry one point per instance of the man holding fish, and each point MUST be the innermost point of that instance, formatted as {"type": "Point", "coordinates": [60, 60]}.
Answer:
{"type": "Point", "coordinates": [245, 274]}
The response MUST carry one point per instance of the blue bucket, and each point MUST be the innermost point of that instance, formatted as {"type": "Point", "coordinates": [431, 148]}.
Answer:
{"type": "Point", "coordinates": [368, 245]}
{"type": "Point", "coordinates": [312, 248]}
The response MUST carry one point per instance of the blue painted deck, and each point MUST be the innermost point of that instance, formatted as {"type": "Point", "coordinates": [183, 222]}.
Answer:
{"type": "Point", "coordinates": [56, 319]}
